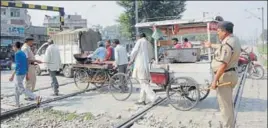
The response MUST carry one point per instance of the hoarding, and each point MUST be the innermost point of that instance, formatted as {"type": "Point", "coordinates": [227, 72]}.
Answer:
{"type": "Point", "coordinates": [12, 30]}
{"type": "Point", "coordinates": [6, 42]}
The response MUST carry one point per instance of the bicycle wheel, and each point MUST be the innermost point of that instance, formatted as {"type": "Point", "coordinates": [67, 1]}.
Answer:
{"type": "Point", "coordinates": [99, 78]}
{"type": "Point", "coordinates": [120, 86]}
{"type": "Point", "coordinates": [179, 89]}
{"type": "Point", "coordinates": [81, 79]}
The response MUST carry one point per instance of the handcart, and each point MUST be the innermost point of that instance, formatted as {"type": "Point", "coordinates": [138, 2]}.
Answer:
{"type": "Point", "coordinates": [88, 73]}
{"type": "Point", "coordinates": [185, 83]}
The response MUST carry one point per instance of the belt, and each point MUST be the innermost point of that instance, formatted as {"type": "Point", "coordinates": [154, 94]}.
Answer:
{"type": "Point", "coordinates": [228, 70]}
{"type": "Point", "coordinates": [33, 63]}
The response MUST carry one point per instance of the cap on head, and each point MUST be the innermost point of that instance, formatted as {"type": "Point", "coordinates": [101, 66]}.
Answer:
{"type": "Point", "coordinates": [226, 26]}
{"type": "Point", "coordinates": [29, 39]}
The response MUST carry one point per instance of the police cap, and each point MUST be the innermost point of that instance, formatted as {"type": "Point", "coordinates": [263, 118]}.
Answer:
{"type": "Point", "coordinates": [29, 39]}
{"type": "Point", "coordinates": [227, 26]}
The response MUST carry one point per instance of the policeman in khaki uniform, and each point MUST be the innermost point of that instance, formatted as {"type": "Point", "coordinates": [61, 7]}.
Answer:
{"type": "Point", "coordinates": [223, 65]}
{"type": "Point", "coordinates": [26, 48]}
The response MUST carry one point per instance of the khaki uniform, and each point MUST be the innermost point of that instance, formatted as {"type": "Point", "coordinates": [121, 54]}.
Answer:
{"type": "Point", "coordinates": [30, 84]}
{"type": "Point", "coordinates": [228, 52]}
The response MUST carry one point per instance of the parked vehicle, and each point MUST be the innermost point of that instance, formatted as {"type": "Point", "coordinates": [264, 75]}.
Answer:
{"type": "Point", "coordinates": [255, 70]}
{"type": "Point", "coordinates": [6, 63]}
{"type": "Point", "coordinates": [69, 42]}
{"type": "Point", "coordinates": [6, 57]}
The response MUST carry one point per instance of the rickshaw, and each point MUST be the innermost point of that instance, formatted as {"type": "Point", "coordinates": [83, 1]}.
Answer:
{"type": "Point", "coordinates": [98, 74]}
{"type": "Point", "coordinates": [188, 81]}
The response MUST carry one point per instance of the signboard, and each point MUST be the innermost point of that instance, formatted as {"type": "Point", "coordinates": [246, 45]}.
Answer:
{"type": "Point", "coordinates": [5, 42]}
{"type": "Point", "coordinates": [16, 31]}
{"type": "Point", "coordinates": [12, 30]}
{"type": "Point", "coordinates": [52, 31]}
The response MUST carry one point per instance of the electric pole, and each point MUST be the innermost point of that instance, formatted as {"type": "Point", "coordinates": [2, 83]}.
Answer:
{"type": "Point", "coordinates": [136, 16]}
{"type": "Point", "coordinates": [262, 20]}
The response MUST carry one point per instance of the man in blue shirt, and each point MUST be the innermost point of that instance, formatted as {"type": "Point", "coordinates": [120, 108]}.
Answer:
{"type": "Point", "coordinates": [100, 52]}
{"type": "Point", "coordinates": [21, 71]}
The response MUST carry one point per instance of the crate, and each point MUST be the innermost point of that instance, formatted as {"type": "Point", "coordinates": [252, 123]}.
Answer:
{"type": "Point", "coordinates": [159, 76]}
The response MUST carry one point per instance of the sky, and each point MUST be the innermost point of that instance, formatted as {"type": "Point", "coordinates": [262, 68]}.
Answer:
{"type": "Point", "coordinates": [105, 13]}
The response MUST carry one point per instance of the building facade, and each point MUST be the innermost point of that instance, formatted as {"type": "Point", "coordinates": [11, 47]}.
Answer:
{"type": "Point", "coordinates": [14, 21]}
{"type": "Point", "coordinates": [70, 22]}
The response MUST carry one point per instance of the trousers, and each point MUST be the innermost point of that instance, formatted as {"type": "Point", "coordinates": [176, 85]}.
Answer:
{"type": "Point", "coordinates": [122, 68]}
{"type": "Point", "coordinates": [224, 96]}
{"type": "Point", "coordinates": [54, 81]}
{"type": "Point", "coordinates": [19, 89]}
{"type": "Point", "coordinates": [146, 91]}
{"type": "Point", "coordinates": [30, 84]}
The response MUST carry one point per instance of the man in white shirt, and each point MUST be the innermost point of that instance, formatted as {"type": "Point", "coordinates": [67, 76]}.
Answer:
{"type": "Point", "coordinates": [53, 63]}
{"type": "Point", "coordinates": [141, 72]}
{"type": "Point", "coordinates": [121, 59]}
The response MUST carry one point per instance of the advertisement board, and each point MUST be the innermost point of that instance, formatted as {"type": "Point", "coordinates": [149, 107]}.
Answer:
{"type": "Point", "coordinates": [12, 30]}
{"type": "Point", "coordinates": [52, 31]}
{"type": "Point", "coordinates": [6, 42]}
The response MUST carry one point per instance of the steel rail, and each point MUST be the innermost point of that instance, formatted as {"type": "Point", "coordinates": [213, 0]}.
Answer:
{"type": "Point", "coordinates": [20, 110]}
{"type": "Point", "coordinates": [6, 96]}
{"type": "Point", "coordinates": [129, 122]}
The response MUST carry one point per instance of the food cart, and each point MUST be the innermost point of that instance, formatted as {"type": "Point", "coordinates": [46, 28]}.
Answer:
{"type": "Point", "coordinates": [189, 79]}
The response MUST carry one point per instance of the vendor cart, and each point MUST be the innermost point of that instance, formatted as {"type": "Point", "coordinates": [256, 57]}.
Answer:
{"type": "Point", "coordinates": [185, 82]}
{"type": "Point", "coordinates": [98, 74]}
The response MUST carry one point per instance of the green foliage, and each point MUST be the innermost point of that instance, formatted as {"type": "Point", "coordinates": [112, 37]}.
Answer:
{"type": "Point", "coordinates": [148, 11]}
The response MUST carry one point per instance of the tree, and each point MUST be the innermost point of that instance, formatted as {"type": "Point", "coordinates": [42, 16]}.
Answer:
{"type": "Point", "coordinates": [148, 11]}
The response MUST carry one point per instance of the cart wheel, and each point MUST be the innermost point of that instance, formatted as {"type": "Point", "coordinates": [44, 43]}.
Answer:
{"type": "Point", "coordinates": [203, 92]}
{"type": "Point", "coordinates": [81, 79]}
{"type": "Point", "coordinates": [120, 86]}
{"type": "Point", "coordinates": [100, 76]}
{"type": "Point", "coordinates": [178, 91]}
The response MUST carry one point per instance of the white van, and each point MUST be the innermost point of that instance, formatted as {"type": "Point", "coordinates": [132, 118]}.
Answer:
{"type": "Point", "coordinates": [69, 42]}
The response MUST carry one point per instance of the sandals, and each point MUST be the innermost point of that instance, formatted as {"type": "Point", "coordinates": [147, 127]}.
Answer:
{"type": "Point", "coordinates": [38, 100]}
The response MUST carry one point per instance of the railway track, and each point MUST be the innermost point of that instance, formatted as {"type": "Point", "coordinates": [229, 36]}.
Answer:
{"type": "Point", "coordinates": [20, 110]}
{"type": "Point", "coordinates": [237, 98]}
{"type": "Point", "coordinates": [10, 95]}
{"type": "Point", "coordinates": [129, 122]}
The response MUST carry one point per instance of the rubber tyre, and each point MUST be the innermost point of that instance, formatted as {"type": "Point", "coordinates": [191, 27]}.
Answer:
{"type": "Point", "coordinates": [97, 74]}
{"type": "Point", "coordinates": [38, 70]}
{"type": "Point", "coordinates": [193, 84]}
{"type": "Point", "coordinates": [260, 70]}
{"type": "Point", "coordinates": [129, 85]}
{"type": "Point", "coordinates": [77, 76]}
{"type": "Point", "coordinates": [68, 72]}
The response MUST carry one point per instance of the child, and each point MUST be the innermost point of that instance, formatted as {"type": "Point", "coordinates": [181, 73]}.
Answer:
{"type": "Point", "coordinates": [20, 72]}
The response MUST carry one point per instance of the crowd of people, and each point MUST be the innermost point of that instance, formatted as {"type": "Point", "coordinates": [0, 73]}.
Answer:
{"type": "Point", "coordinates": [223, 66]}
